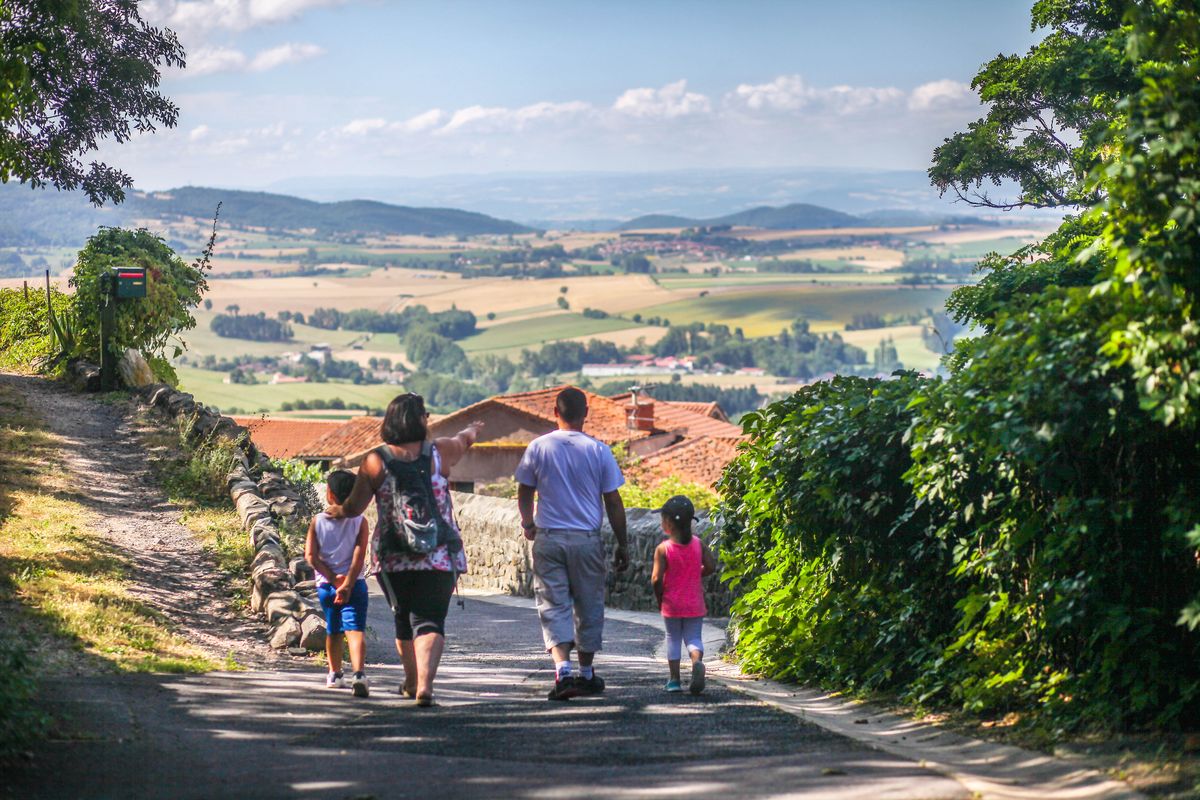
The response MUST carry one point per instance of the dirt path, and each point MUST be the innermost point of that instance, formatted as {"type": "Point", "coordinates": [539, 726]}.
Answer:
{"type": "Point", "coordinates": [170, 569]}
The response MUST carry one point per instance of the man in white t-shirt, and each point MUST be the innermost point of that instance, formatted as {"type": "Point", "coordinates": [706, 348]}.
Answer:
{"type": "Point", "coordinates": [576, 479]}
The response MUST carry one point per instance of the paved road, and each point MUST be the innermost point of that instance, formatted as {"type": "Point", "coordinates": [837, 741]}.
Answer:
{"type": "Point", "coordinates": [282, 734]}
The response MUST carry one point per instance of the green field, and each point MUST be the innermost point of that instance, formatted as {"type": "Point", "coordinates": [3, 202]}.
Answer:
{"type": "Point", "coordinates": [202, 341]}
{"type": "Point", "coordinates": [1003, 245]}
{"type": "Point", "coordinates": [766, 311]}
{"type": "Point", "coordinates": [208, 387]}
{"type": "Point", "coordinates": [675, 281]}
{"type": "Point", "coordinates": [539, 330]}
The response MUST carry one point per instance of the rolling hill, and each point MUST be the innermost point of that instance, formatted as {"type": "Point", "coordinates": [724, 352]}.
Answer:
{"type": "Point", "coordinates": [790, 217]}
{"type": "Point", "coordinates": [40, 217]}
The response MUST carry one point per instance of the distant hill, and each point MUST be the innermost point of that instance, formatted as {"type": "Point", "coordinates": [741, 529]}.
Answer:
{"type": "Point", "coordinates": [283, 212]}
{"type": "Point", "coordinates": [790, 217]}
{"type": "Point", "coordinates": [47, 217]}
{"type": "Point", "coordinates": [657, 221]}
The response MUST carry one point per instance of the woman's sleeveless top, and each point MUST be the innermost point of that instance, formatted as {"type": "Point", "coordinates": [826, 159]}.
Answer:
{"type": "Point", "coordinates": [439, 559]}
{"type": "Point", "coordinates": [683, 589]}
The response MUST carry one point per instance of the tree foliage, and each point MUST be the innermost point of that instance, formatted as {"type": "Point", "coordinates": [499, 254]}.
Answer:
{"type": "Point", "coordinates": [72, 74]}
{"type": "Point", "coordinates": [1039, 502]}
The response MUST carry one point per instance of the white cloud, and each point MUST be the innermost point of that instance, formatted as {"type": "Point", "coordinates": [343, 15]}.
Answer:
{"type": "Point", "coordinates": [422, 122]}
{"type": "Point", "coordinates": [672, 100]}
{"type": "Point", "coordinates": [790, 93]}
{"type": "Point", "coordinates": [284, 54]}
{"type": "Point", "coordinates": [358, 127]}
{"type": "Point", "coordinates": [193, 18]}
{"type": "Point", "coordinates": [943, 94]}
{"type": "Point", "coordinates": [198, 133]}
{"type": "Point", "coordinates": [210, 60]}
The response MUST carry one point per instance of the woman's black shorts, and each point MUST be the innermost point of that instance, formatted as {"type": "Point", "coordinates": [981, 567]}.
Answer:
{"type": "Point", "coordinates": [419, 600]}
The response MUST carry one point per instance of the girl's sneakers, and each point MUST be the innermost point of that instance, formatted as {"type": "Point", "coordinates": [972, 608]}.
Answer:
{"type": "Point", "coordinates": [697, 684]}
{"type": "Point", "coordinates": [334, 680]}
{"type": "Point", "coordinates": [360, 686]}
{"type": "Point", "coordinates": [673, 686]}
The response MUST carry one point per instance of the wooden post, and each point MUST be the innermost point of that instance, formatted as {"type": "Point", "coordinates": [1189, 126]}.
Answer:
{"type": "Point", "coordinates": [26, 285]}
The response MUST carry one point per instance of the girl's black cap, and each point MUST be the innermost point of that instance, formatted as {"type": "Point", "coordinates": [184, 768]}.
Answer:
{"type": "Point", "coordinates": [678, 508]}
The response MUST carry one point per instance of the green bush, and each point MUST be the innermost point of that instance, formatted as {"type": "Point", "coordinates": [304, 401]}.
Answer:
{"type": "Point", "coordinates": [838, 572]}
{"type": "Point", "coordinates": [25, 335]}
{"type": "Point", "coordinates": [149, 324]}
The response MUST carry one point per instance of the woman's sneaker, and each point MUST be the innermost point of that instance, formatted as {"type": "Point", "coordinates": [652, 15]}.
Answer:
{"type": "Point", "coordinates": [673, 686]}
{"type": "Point", "coordinates": [359, 686]}
{"type": "Point", "coordinates": [334, 680]}
{"type": "Point", "coordinates": [697, 684]}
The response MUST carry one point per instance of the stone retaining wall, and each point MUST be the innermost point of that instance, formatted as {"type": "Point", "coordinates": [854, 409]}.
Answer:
{"type": "Point", "coordinates": [501, 559]}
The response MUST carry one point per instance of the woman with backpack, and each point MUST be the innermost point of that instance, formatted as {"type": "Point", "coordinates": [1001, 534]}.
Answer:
{"type": "Point", "coordinates": [416, 547]}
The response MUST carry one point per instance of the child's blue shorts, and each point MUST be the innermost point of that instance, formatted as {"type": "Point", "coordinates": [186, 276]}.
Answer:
{"type": "Point", "coordinates": [349, 617]}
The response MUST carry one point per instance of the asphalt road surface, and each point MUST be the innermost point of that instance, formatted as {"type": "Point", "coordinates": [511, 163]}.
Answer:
{"type": "Point", "coordinates": [493, 733]}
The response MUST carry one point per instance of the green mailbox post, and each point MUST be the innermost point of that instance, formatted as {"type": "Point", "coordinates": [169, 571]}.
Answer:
{"type": "Point", "coordinates": [121, 283]}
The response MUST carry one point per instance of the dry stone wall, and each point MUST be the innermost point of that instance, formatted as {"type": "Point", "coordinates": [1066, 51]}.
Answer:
{"type": "Point", "coordinates": [501, 559]}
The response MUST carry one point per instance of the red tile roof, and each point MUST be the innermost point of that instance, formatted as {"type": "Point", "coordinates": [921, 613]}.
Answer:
{"type": "Point", "coordinates": [700, 460]}
{"type": "Point", "coordinates": [670, 415]}
{"type": "Point", "coordinates": [285, 438]}
{"type": "Point", "coordinates": [606, 418]}
{"type": "Point", "coordinates": [355, 436]}
{"type": "Point", "coordinates": [709, 409]}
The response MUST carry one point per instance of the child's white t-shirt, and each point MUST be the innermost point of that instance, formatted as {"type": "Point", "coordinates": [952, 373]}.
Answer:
{"type": "Point", "coordinates": [336, 539]}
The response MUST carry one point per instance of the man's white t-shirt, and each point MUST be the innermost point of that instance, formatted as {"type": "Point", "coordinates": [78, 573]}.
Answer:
{"type": "Point", "coordinates": [570, 471]}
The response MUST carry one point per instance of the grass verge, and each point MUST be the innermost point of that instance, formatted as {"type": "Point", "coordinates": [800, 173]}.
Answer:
{"type": "Point", "coordinates": [194, 480]}
{"type": "Point", "coordinates": [63, 591]}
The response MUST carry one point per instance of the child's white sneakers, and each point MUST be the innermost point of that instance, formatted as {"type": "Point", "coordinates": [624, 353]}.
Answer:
{"type": "Point", "coordinates": [334, 680]}
{"type": "Point", "coordinates": [360, 685]}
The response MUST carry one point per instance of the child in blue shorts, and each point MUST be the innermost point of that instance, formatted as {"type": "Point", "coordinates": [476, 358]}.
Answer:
{"type": "Point", "coordinates": [336, 549]}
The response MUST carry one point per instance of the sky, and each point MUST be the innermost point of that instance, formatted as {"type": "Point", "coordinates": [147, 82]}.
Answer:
{"type": "Point", "coordinates": [279, 89]}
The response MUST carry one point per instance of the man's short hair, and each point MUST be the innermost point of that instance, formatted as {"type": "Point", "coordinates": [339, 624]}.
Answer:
{"type": "Point", "coordinates": [571, 405]}
{"type": "Point", "coordinates": [341, 483]}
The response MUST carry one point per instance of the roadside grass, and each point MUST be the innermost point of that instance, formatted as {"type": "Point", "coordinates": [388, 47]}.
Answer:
{"type": "Point", "coordinates": [64, 595]}
{"type": "Point", "coordinates": [194, 480]}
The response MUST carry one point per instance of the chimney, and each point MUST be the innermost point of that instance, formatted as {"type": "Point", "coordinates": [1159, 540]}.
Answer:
{"type": "Point", "coordinates": [640, 415]}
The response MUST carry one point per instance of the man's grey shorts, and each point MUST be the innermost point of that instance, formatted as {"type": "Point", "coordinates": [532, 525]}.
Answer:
{"type": "Point", "coordinates": [569, 569]}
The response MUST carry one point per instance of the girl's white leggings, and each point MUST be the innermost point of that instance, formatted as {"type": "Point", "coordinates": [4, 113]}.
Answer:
{"type": "Point", "coordinates": [681, 631]}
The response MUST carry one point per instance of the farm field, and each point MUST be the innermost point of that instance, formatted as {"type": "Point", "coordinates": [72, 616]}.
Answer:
{"type": "Point", "coordinates": [765, 311]}
{"type": "Point", "coordinates": [910, 348]}
{"type": "Point", "coordinates": [209, 387]}
{"type": "Point", "coordinates": [202, 341]}
{"type": "Point", "coordinates": [513, 336]}
{"type": "Point", "coordinates": [735, 279]}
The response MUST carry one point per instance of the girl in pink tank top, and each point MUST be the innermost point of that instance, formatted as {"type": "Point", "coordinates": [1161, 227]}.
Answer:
{"type": "Point", "coordinates": [680, 564]}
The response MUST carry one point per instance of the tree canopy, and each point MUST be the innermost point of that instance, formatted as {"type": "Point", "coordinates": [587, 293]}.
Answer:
{"type": "Point", "coordinates": [1024, 533]}
{"type": "Point", "coordinates": [73, 73]}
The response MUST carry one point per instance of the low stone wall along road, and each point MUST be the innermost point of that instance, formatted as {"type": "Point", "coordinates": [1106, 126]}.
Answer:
{"type": "Point", "coordinates": [493, 734]}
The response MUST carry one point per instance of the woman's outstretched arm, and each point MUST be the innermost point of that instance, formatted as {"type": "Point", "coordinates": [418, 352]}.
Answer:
{"type": "Point", "coordinates": [453, 448]}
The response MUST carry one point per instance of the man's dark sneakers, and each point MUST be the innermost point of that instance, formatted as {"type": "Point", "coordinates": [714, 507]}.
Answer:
{"type": "Point", "coordinates": [592, 685]}
{"type": "Point", "coordinates": [565, 689]}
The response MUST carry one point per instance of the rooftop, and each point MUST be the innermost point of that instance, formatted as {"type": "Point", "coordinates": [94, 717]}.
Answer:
{"type": "Point", "coordinates": [285, 438]}
{"type": "Point", "coordinates": [700, 460]}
